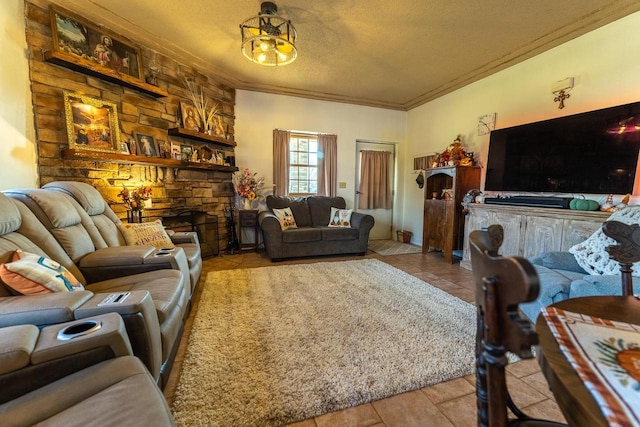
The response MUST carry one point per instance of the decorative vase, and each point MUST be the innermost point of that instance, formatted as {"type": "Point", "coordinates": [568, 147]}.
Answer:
{"type": "Point", "coordinates": [246, 204]}
{"type": "Point", "coordinates": [134, 216]}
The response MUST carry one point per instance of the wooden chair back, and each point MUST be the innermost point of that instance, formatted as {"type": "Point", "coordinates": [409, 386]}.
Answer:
{"type": "Point", "coordinates": [626, 252]}
{"type": "Point", "coordinates": [501, 283]}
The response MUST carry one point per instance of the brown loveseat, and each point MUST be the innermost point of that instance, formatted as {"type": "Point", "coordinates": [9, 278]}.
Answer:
{"type": "Point", "coordinates": [313, 236]}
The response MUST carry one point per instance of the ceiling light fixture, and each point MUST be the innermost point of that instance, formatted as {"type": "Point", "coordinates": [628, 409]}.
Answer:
{"type": "Point", "coordinates": [268, 39]}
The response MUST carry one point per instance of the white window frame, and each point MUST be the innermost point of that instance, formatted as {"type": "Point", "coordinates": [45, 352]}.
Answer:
{"type": "Point", "coordinates": [290, 165]}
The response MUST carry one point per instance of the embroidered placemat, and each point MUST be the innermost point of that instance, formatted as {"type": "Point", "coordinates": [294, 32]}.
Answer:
{"type": "Point", "coordinates": [606, 356]}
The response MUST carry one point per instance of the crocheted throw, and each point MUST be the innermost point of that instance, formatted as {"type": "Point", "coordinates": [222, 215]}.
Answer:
{"type": "Point", "coordinates": [591, 254]}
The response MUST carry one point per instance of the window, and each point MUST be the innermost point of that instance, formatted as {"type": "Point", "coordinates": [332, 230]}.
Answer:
{"type": "Point", "coordinates": [303, 164]}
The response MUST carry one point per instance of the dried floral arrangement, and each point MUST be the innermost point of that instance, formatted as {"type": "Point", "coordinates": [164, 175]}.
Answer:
{"type": "Point", "coordinates": [134, 199]}
{"type": "Point", "coordinates": [205, 109]}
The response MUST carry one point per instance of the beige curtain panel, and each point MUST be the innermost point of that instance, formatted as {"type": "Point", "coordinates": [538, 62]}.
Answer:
{"type": "Point", "coordinates": [375, 180]}
{"type": "Point", "coordinates": [327, 165]}
{"type": "Point", "coordinates": [281, 162]}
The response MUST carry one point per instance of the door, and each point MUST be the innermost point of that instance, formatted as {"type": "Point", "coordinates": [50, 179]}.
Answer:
{"type": "Point", "coordinates": [383, 217]}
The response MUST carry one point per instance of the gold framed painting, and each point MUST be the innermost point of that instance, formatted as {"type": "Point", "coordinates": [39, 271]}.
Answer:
{"type": "Point", "coordinates": [92, 123]}
{"type": "Point", "coordinates": [94, 46]}
{"type": "Point", "coordinates": [190, 117]}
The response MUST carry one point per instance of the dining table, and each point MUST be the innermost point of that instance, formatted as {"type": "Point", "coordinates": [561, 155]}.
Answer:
{"type": "Point", "coordinates": [575, 400]}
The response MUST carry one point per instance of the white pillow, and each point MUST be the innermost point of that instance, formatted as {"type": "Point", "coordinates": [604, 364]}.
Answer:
{"type": "Point", "coordinates": [340, 217]}
{"type": "Point", "coordinates": [146, 234]}
{"type": "Point", "coordinates": [29, 274]}
{"type": "Point", "coordinates": [285, 216]}
{"type": "Point", "coordinates": [591, 254]}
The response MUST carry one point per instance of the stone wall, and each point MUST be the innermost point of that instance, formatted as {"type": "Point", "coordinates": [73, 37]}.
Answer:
{"type": "Point", "coordinates": [173, 189]}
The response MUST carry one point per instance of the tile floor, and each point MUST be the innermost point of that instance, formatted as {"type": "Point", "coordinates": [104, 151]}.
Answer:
{"type": "Point", "coordinates": [451, 403]}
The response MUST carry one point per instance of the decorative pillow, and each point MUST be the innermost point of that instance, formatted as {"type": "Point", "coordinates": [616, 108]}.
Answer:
{"type": "Point", "coordinates": [146, 234]}
{"type": "Point", "coordinates": [340, 217]}
{"type": "Point", "coordinates": [285, 216]}
{"type": "Point", "coordinates": [29, 274]}
{"type": "Point", "coordinates": [591, 254]}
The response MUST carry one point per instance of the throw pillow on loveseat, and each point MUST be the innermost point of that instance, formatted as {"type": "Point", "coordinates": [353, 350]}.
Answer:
{"type": "Point", "coordinates": [312, 235]}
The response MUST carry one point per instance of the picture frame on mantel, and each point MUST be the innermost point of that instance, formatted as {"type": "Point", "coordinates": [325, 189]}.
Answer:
{"type": "Point", "coordinates": [92, 123]}
{"type": "Point", "coordinates": [94, 46]}
{"type": "Point", "coordinates": [147, 145]}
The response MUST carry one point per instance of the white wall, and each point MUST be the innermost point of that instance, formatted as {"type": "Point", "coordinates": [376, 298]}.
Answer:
{"type": "Point", "coordinates": [604, 64]}
{"type": "Point", "coordinates": [17, 145]}
{"type": "Point", "coordinates": [258, 114]}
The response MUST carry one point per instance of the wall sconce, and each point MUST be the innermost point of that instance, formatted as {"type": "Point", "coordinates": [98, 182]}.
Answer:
{"type": "Point", "coordinates": [561, 90]}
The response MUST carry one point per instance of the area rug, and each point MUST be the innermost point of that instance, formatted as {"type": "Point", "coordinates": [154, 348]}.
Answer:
{"type": "Point", "coordinates": [393, 247]}
{"type": "Point", "coordinates": [275, 345]}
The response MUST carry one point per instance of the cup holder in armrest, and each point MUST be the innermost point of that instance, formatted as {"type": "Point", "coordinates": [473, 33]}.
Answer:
{"type": "Point", "coordinates": [79, 329]}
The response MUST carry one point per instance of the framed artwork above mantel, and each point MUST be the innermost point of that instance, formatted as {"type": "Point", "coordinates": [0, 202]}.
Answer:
{"type": "Point", "coordinates": [82, 46]}
{"type": "Point", "coordinates": [98, 46]}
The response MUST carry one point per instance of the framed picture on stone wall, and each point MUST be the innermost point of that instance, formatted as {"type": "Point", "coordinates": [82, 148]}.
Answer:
{"type": "Point", "coordinates": [146, 145]}
{"type": "Point", "coordinates": [94, 46]}
{"type": "Point", "coordinates": [92, 123]}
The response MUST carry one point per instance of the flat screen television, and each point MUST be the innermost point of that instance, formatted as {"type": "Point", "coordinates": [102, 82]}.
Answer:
{"type": "Point", "coordinates": [594, 152]}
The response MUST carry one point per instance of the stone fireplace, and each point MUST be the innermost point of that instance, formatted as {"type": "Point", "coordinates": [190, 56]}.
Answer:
{"type": "Point", "coordinates": [177, 186]}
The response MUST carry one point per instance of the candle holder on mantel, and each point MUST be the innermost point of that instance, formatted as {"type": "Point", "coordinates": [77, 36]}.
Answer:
{"type": "Point", "coordinates": [134, 216]}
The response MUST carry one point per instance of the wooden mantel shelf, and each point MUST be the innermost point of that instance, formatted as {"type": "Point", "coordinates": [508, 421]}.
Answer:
{"type": "Point", "coordinates": [192, 134]}
{"type": "Point", "coordinates": [73, 154]}
{"type": "Point", "coordinates": [105, 73]}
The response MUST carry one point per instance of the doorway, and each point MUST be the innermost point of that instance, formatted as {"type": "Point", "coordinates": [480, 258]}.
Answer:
{"type": "Point", "coordinates": [383, 217]}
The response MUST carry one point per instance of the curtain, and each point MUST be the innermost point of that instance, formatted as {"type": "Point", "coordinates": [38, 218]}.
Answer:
{"type": "Point", "coordinates": [375, 180]}
{"type": "Point", "coordinates": [281, 162]}
{"type": "Point", "coordinates": [327, 165]}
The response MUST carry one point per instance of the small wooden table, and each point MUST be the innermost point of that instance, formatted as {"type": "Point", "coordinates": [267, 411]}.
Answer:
{"type": "Point", "coordinates": [249, 218]}
{"type": "Point", "coordinates": [576, 402]}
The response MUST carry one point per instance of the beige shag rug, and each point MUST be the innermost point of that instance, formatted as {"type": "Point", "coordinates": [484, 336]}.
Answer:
{"type": "Point", "coordinates": [274, 345]}
{"type": "Point", "coordinates": [393, 247]}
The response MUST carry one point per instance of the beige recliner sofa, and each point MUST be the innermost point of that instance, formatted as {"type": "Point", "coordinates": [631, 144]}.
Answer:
{"type": "Point", "coordinates": [153, 312]}
{"type": "Point", "coordinates": [106, 222]}
{"type": "Point", "coordinates": [76, 374]}
{"type": "Point", "coordinates": [75, 231]}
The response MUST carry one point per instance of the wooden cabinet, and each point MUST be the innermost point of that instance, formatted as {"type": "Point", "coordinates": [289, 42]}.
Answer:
{"type": "Point", "coordinates": [438, 221]}
{"type": "Point", "coordinates": [529, 231]}
{"type": "Point", "coordinates": [443, 222]}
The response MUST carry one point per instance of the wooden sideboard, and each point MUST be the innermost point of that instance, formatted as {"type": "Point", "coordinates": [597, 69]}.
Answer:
{"type": "Point", "coordinates": [529, 231]}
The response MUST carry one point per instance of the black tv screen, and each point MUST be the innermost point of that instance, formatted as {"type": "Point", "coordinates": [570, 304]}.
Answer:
{"type": "Point", "coordinates": [594, 152]}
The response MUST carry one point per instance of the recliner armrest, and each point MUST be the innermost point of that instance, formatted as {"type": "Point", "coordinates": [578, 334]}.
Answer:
{"type": "Point", "coordinates": [116, 256]}
{"type": "Point", "coordinates": [118, 261]}
{"type": "Point", "coordinates": [41, 310]}
{"type": "Point", "coordinates": [32, 358]}
{"type": "Point", "coordinates": [179, 237]}
{"type": "Point", "coordinates": [52, 345]}
{"type": "Point", "coordinates": [16, 345]}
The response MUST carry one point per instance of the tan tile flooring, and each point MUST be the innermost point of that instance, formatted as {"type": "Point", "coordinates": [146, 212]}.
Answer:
{"type": "Point", "coordinates": [451, 403]}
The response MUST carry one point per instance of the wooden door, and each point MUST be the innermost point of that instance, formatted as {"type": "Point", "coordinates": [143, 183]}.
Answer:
{"type": "Point", "coordinates": [435, 225]}
{"type": "Point", "coordinates": [512, 226]}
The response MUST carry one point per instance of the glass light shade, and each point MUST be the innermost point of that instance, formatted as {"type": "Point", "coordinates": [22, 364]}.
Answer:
{"type": "Point", "coordinates": [268, 39]}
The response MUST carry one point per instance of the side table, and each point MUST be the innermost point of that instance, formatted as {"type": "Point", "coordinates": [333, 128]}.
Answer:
{"type": "Point", "coordinates": [248, 218]}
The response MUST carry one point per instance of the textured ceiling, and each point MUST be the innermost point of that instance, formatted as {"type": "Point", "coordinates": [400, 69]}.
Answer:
{"type": "Point", "coordinates": [393, 54]}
